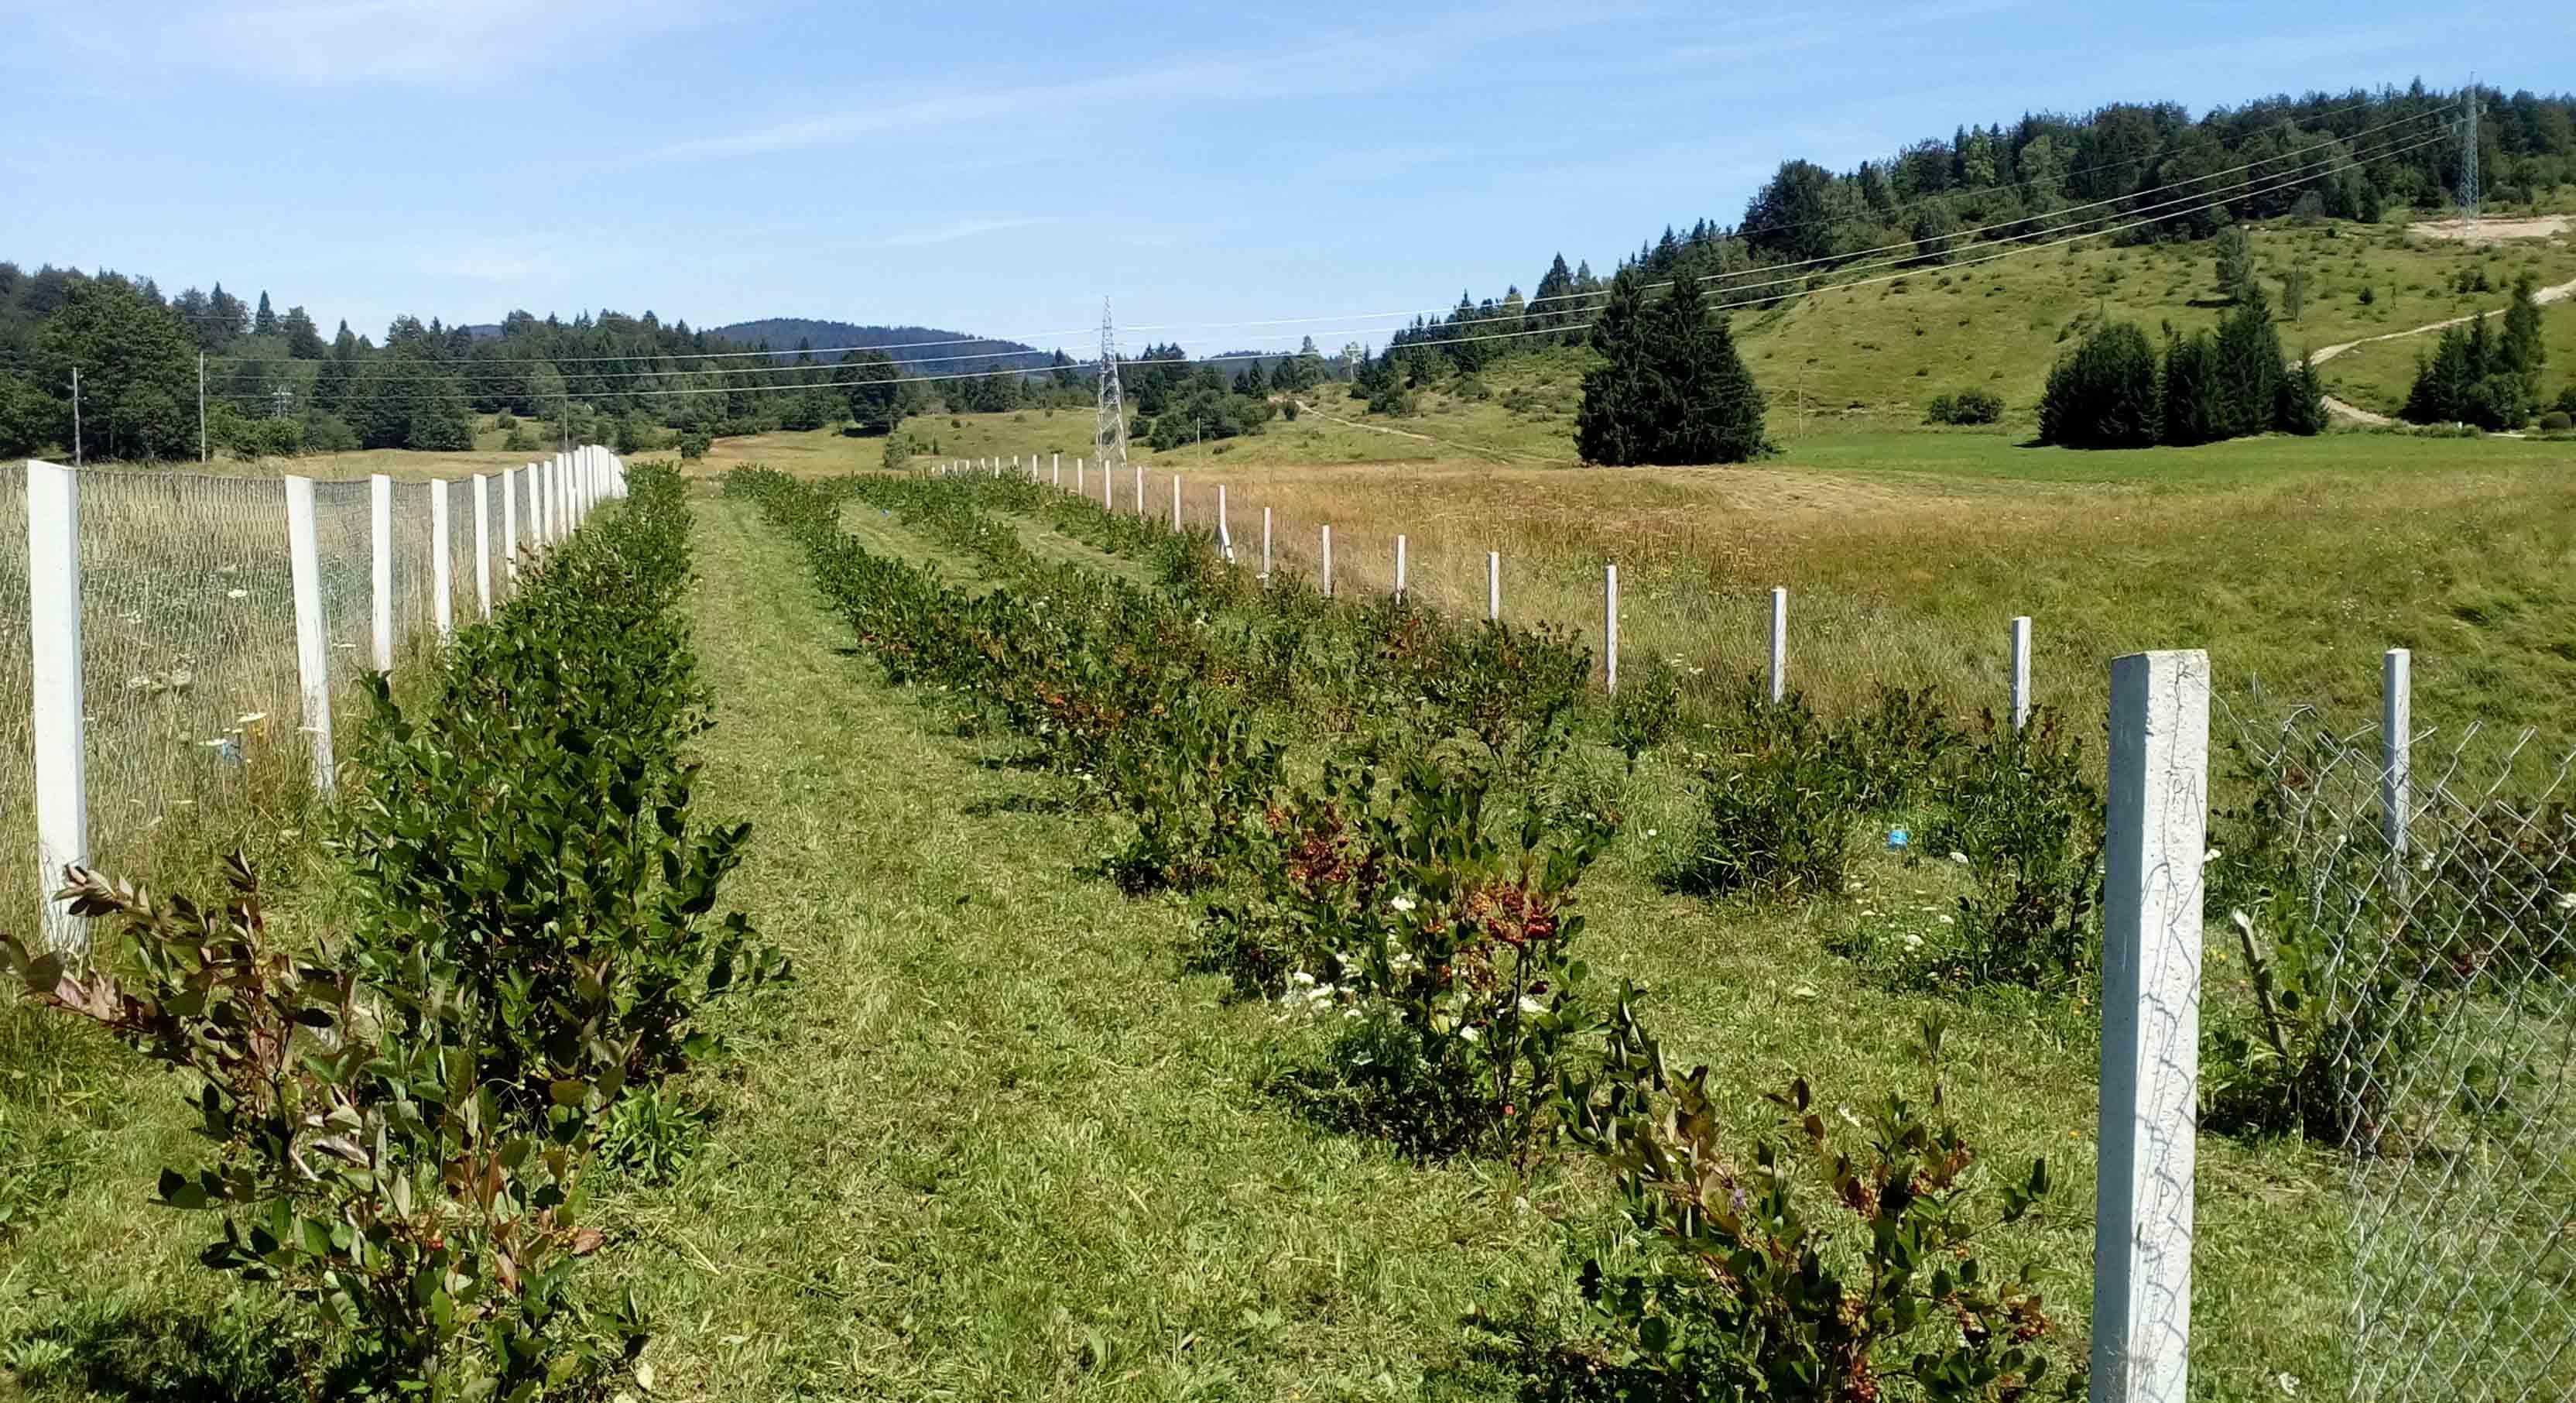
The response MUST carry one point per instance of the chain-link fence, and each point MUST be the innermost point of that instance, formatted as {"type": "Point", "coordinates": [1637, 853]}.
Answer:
{"type": "Point", "coordinates": [2404, 911]}
{"type": "Point", "coordinates": [192, 708]}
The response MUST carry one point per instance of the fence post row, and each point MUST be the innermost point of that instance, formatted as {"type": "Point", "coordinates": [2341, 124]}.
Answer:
{"type": "Point", "coordinates": [441, 563]}
{"type": "Point", "coordinates": [312, 627]}
{"type": "Point", "coordinates": [482, 547]}
{"type": "Point", "coordinates": [54, 626]}
{"type": "Point", "coordinates": [2020, 671]}
{"type": "Point", "coordinates": [1779, 646]}
{"type": "Point", "coordinates": [380, 535]}
{"type": "Point", "coordinates": [1610, 627]}
{"type": "Point", "coordinates": [2396, 752]}
{"type": "Point", "coordinates": [2151, 949]}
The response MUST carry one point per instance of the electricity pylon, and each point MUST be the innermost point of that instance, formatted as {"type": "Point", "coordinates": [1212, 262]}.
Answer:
{"type": "Point", "coordinates": [1111, 437]}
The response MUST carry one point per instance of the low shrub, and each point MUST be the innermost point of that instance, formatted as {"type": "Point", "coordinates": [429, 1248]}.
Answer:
{"type": "Point", "coordinates": [1832, 1268]}
{"type": "Point", "coordinates": [2029, 826]}
{"type": "Point", "coordinates": [1778, 800]}
{"type": "Point", "coordinates": [1965, 407]}
{"type": "Point", "coordinates": [363, 1163]}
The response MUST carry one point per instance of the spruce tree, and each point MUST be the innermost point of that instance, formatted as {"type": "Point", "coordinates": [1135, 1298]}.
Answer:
{"type": "Point", "coordinates": [2303, 400]}
{"type": "Point", "coordinates": [2104, 394]}
{"type": "Point", "coordinates": [264, 323]}
{"type": "Point", "coordinates": [1711, 412]}
{"type": "Point", "coordinates": [2194, 408]}
{"type": "Point", "coordinates": [2249, 366]}
{"type": "Point", "coordinates": [2520, 353]}
{"type": "Point", "coordinates": [1614, 425]}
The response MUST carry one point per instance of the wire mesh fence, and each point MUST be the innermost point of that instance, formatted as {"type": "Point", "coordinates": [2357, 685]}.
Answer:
{"type": "Point", "coordinates": [190, 685]}
{"type": "Point", "coordinates": [2404, 909]}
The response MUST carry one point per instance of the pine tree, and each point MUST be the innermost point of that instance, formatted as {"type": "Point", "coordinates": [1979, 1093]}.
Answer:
{"type": "Point", "coordinates": [2249, 366]}
{"type": "Point", "coordinates": [2440, 393]}
{"type": "Point", "coordinates": [1614, 425]}
{"type": "Point", "coordinates": [2105, 394]}
{"type": "Point", "coordinates": [303, 339]}
{"type": "Point", "coordinates": [2303, 401]}
{"type": "Point", "coordinates": [265, 322]}
{"type": "Point", "coordinates": [1711, 411]}
{"type": "Point", "coordinates": [1252, 383]}
{"type": "Point", "coordinates": [2521, 353]}
{"type": "Point", "coordinates": [2194, 411]}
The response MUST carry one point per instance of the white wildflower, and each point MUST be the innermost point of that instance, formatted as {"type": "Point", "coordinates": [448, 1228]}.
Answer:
{"type": "Point", "coordinates": [1913, 941]}
{"type": "Point", "coordinates": [1402, 903]}
{"type": "Point", "coordinates": [1947, 921]}
{"type": "Point", "coordinates": [1959, 858]}
{"type": "Point", "coordinates": [1531, 1005]}
{"type": "Point", "coordinates": [236, 594]}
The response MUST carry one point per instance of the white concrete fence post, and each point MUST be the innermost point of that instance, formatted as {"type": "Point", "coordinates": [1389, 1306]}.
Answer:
{"type": "Point", "coordinates": [1224, 528]}
{"type": "Point", "coordinates": [1078, 489]}
{"type": "Point", "coordinates": [1056, 461]}
{"type": "Point", "coordinates": [312, 627]}
{"type": "Point", "coordinates": [510, 527]}
{"type": "Point", "coordinates": [1265, 545]}
{"type": "Point", "coordinates": [1493, 586]}
{"type": "Point", "coordinates": [442, 584]}
{"type": "Point", "coordinates": [1328, 562]}
{"type": "Point", "coordinates": [483, 545]}
{"type": "Point", "coordinates": [1140, 489]}
{"type": "Point", "coordinates": [2020, 671]}
{"type": "Point", "coordinates": [1779, 646]}
{"type": "Point", "coordinates": [1176, 504]}
{"type": "Point", "coordinates": [380, 535]}
{"type": "Point", "coordinates": [1399, 565]}
{"type": "Point", "coordinates": [2151, 950]}
{"type": "Point", "coordinates": [1108, 489]}
{"type": "Point", "coordinates": [59, 735]}
{"type": "Point", "coordinates": [2396, 750]}
{"type": "Point", "coordinates": [1610, 627]}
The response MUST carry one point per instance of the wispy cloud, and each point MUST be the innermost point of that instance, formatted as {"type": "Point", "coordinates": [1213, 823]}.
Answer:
{"type": "Point", "coordinates": [1335, 66]}
{"type": "Point", "coordinates": [335, 43]}
{"type": "Point", "coordinates": [965, 229]}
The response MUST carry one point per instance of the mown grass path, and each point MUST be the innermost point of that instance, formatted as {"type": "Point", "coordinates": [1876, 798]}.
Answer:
{"type": "Point", "coordinates": [991, 1146]}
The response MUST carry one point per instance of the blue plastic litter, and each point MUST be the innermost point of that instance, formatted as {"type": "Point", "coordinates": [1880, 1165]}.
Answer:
{"type": "Point", "coordinates": [1895, 839]}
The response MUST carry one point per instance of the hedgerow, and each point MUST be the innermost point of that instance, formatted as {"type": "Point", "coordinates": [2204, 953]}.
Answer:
{"type": "Point", "coordinates": [403, 1117]}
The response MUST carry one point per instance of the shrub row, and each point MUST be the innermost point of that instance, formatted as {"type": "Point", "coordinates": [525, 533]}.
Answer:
{"type": "Point", "coordinates": [403, 1117]}
{"type": "Point", "coordinates": [1422, 887]}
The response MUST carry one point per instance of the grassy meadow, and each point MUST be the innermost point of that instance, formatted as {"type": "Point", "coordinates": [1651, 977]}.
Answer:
{"type": "Point", "coordinates": [1000, 1143]}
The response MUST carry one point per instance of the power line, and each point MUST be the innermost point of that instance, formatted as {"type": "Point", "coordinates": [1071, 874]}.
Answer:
{"type": "Point", "coordinates": [1906, 251]}
{"type": "Point", "coordinates": [2270, 183]}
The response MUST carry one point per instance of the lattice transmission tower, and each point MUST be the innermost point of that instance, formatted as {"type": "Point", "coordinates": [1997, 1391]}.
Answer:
{"type": "Point", "coordinates": [2469, 157]}
{"type": "Point", "coordinates": [1111, 437]}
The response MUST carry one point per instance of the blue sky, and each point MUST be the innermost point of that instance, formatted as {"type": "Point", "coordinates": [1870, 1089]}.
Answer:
{"type": "Point", "coordinates": [1000, 168]}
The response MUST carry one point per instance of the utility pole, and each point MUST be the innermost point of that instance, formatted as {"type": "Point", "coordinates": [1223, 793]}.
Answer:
{"type": "Point", "coordinates": [76, 422]}
{"type": "Point", "coordinates": [1111, 433]}
{"type": "Point", "coordinates": [201, 409]}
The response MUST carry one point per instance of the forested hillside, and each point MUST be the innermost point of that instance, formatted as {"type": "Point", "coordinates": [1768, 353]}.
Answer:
{"type": "Point", "coordinates": [925, 350]}
{"type": "Point", "coordinates": [2133, 173]}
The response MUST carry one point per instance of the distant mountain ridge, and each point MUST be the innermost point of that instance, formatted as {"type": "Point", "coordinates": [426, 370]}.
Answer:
{"type": "Point", "coordinates": [926, 348]}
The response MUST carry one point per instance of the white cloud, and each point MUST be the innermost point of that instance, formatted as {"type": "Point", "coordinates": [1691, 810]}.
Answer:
{"type": "Point", "coordinates": [330, 43]}
{"type": "Point", "coordinates": [1336, 66]}
{"type": "Point", "coordinates": [964, 229]}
